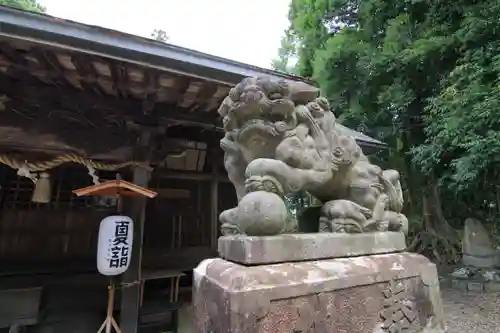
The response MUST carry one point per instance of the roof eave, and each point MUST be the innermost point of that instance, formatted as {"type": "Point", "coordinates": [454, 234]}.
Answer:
{"type": "Point", "coordinates": [367, 144]}
{"type": "Point", "coordinates": [51, 31]}
{"type": "Point", "coordinates": [45, 29]}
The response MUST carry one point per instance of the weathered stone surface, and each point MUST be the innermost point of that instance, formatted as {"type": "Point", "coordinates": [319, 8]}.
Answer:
{"type": "Point", "coordinates": [260, 213]}
{"type": "Point", "coordinates": [378, 293]}
{"type": "Point", "coordinates": [477, 247]}
{"type": "Point", "coordinates": [475, 286]}
{"type": "Point", "coordinates": [459, 284]}
{"type": "Point", "coordinates": [492, 287]}
{"type": "Point", "coordinates": [300, 247]}
{"type": "Point", "coordinates": [282, 137]}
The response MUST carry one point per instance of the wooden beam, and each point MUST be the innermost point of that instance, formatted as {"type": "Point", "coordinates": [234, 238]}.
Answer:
{"type": "Point", "coordinates": [136, 209]}
{"type": "Point", "coordinates": [151, 79]}
{"type": "Point", "coordinates": [12, 54]}
{"type": "Point", "coordinates": [83, 64]}
{"type": "Point", "coordinates": [48, 98]}
{"type": "Point", "coordinates": [191, 94]}
{"type": "Point", "coordinates": [119, 76]}
{"type": "Point", "coordinates": [215, 101]}
{"type": "Point", "coordinates": [204, 97]}
{"type": "Point", "coordinates": [173, 193]}
{"type": "Point", "coordinates": [214, 201]}
{"type": "Point", "coordinates": [173, 174]}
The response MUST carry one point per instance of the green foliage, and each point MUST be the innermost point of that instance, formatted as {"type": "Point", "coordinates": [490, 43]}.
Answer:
{"type": "Point", "coordinates": [423, 76]}
{"type": "Point", "coordinates": [305, 17]}
{"type": "Point", "coordinates": [160, 35]}
{"type": "Point", "coordinates": [30, 5]}
{"type": "Point", "coordinates": [286, 54]}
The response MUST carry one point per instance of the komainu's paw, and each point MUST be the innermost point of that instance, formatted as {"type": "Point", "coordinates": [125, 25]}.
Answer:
{"type": "Point", "coordinates": [228, 229]}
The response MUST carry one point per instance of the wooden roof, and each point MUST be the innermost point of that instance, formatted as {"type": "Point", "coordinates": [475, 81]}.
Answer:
{"type": "Point", "coordinates": [44, 68]}
{"type": "Point", "coordinates": [115, 187]}
{"type": "Point", "coordinates": [64, 100]}
{"type": "Point", "coordinates": [47, 30]}
{"type": "Point", "coordinates": [70, 86]}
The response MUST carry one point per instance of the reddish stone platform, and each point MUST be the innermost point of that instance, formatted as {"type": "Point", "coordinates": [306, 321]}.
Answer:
{"type": "Point", "coordinates": [369, 294]}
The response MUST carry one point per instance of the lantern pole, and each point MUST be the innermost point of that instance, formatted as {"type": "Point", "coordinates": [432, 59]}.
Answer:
{"type": "Point", "coordinates": [104, 189]}
{"type": "Point", "coordinates": [110, 320]}
{"type": "Point", "coordinates": [119, 199]}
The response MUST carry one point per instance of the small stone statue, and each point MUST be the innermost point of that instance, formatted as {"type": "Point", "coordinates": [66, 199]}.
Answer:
{"type": "Point", "coordinates": [281, 138]}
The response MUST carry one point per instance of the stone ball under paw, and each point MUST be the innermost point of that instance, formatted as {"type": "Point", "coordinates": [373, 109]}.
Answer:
{"type": "Point", "coordinates": [262, 213]}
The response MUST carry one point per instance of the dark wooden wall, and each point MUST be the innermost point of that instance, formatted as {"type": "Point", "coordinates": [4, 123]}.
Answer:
{"type": "Point", "coordinates": [62, 236]}
{"type": "Point", "coordinates": [54, 245]}
{"type": "Point", "coordinates": [34, 235]}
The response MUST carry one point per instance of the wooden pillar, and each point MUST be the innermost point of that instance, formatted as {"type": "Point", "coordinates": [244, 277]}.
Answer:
{"type": "Point", "coordinates": [135, 208]}
{"type": "Point", "coordinates": [214, 202]}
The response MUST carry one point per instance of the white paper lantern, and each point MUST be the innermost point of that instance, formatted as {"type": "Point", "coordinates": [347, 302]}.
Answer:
{"type": "Point", "coordinates": [114, 247]}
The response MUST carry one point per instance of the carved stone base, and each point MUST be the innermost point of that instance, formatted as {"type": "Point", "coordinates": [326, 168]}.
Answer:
{"type": "Point", "coordinates": [251, 250]}
{"type": "Point", "coordinates": [396, 292]}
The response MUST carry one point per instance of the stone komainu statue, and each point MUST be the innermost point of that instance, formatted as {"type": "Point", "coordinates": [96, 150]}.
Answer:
{"type": "Point", "coordinates": [281, 138]}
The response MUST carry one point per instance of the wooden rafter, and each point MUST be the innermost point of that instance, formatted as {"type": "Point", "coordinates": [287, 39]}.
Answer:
{"type": "Point", "coordinates": [118, 79]}
{"type": "Point", "coordinates": [79, 101]}
{"type": "Point", "coordinates": [35, 96]}
{"type": "Point", "coordinates": [151, 79]}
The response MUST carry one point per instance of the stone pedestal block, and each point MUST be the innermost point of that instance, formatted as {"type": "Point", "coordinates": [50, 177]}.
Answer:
{"type": "Point", "coordinates": [395, 292]}
{"type": "Point", "coordinates": [252, 250]}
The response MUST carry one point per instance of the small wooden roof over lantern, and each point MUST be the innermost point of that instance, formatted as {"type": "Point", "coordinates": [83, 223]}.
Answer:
{"type": "Point", "coordinates": [116, 187]}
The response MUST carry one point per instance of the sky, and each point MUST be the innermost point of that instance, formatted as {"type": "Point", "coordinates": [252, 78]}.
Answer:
{"type": "Point", "coordinates": [248, 31]}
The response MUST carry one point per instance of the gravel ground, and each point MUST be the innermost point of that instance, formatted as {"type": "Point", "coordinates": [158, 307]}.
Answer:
{"type": "Point", "coordinates": [465, 312]}
{"type": "Point", "coordinates": [471, 312]}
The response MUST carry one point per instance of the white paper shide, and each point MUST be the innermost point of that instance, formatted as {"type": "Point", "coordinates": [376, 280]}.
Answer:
{"type": "Point", "coordinates": [114, 247]}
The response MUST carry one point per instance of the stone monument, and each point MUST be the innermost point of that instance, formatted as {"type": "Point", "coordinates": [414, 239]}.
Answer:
{"type": "Point", "coordinates": [478, 249]}
{"type": "Point", "coordinates": [479, 270]}
{"type": "Point", "coordinates": [353, 275]}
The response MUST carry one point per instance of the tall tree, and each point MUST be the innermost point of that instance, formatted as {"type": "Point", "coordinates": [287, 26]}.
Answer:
{"type": "Point", "coordinates": [286, 54]}
{"type": "Point", "coordinates": [160, 35]}
{"type": "Point", "coordinates": [31, 5]}
{"type": "Point", "coordinates": [423, 77]}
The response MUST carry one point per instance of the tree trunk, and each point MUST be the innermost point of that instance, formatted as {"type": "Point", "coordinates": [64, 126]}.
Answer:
{"type": "Point", "coordinates": [437, 235]}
